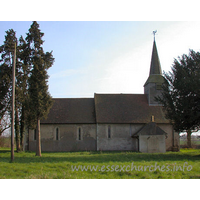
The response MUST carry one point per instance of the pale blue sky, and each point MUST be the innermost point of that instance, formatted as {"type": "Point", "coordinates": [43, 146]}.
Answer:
{"type": "Point", "coordinates": [107, 57]}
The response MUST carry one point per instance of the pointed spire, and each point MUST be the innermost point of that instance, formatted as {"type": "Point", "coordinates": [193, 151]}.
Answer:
{"type": "Point", "coordinates": [155, 62]}
{"type": "Point", "coordinates": [155, 77]}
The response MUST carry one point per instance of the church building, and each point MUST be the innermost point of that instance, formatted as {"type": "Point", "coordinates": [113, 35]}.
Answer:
{"type": "Point", "coordinates": [110, 122]}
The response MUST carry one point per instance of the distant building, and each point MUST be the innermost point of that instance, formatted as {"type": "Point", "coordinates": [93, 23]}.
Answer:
{"type": "Point", "coordinates": [110, 122]}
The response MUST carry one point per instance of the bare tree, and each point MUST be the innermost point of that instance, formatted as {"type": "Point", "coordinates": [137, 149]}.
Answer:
{"type": "Point", "coordinates": [4, 123]}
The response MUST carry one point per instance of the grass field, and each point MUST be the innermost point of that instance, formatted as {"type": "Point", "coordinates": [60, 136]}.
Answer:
{"type": "Point", "coordinates": [107, 165]}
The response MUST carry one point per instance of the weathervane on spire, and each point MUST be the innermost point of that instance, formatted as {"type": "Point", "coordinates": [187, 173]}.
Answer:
{"type": "Point", "coordinates": [154, 33]}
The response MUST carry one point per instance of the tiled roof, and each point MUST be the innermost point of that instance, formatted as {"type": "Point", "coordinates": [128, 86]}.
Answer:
{"type": "Point", "coordinates": [104, 108]}
{"type": "Point", "coordinates": [150, 129]}
{"type": "Point", "coordinates": [71, 110]}
{"type": "Point", "coordinates": [126, 108]}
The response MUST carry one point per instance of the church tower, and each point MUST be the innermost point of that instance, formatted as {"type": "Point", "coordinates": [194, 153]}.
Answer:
{"type": "Point", "coordinates": [153, 85]}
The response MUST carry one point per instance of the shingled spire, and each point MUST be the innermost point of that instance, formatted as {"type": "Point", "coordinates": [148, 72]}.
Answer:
{"type": "Point", "coordinates": [153, 85]}
{"type": "Point", "coordinates": [155, 62]}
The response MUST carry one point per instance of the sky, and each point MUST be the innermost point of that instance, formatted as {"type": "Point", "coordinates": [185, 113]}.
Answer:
{"type": "Point", "coordinates": [107, 56]}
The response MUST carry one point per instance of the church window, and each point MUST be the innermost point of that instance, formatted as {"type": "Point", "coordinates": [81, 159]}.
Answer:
{"type": "Point", "coordinates": [79, 133]}
{"type": "Point", "coordinates": [57, 134]}
{"type": "Point", "coordinates": [109, 132]}
{"type": "Point", "coordinates": [35, 134]}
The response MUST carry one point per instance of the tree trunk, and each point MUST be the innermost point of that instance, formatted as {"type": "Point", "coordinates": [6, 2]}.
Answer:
{"type": "Point", "coordinates": [189, 144]}
{"type": "Point", "coordinates": [38, 139]}
{"type": "Point", "coordinates": [22, 130]}
{"type": "Point", "coordinates": [1, 130]}
{"type": "Point", "coordinates": [17, 130]}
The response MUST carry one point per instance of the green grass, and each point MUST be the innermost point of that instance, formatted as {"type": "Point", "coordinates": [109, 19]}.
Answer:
{"type": "Point", "coordinates": [108, 165]}
{"type": "Point", "coordinates": [194, 142]}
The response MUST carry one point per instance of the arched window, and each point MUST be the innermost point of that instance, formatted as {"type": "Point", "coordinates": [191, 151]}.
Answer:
{"type": "Point", "coordinates": [57, 134]}
{"type": "Point", "coordinates": [109, 132]}
{"type": "Point", "coordinates": [79, 133]}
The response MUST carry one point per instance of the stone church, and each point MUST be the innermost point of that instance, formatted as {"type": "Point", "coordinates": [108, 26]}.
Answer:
{"type": "Point", "coordinates": [110, 122]}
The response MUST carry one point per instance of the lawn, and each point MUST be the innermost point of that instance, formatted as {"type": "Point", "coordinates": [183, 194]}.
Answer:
{"type": "Point", "coordinates": [106, 165]}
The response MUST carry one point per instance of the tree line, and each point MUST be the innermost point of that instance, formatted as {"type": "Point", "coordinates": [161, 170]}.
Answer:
{"type": "Point", "coordinates": [32, 99]}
